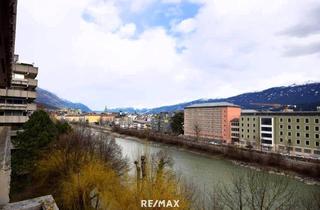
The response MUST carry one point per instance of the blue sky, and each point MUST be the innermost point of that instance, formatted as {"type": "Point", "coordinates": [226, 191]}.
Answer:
{"type": "Point", "coordinates": [148, 53]}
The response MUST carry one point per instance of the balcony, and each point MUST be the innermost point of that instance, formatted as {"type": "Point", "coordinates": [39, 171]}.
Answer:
{"type": "Point", "coordinates": [25, 82]}
{"type": "Point", "coordinates": [29, 107]}
{"type": "Point", "coordinates": [18, 93]}
{"type": "Point", "coordinates": [25, 69]}
{"type": "Point", "coordinates": [13, 119]}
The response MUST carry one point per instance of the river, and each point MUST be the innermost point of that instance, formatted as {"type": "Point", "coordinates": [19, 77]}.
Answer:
{"type": "Point", "coordinates": [204, 171]}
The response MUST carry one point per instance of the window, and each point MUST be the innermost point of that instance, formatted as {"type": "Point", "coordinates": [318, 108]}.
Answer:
{"type": "Point", "coordinates": [289, 127]}
{"type": "Point", "coordinates": [316, 128]}
{"type": "Point", "coordinates": [307, 142]}
{"type": "Point", "coordinates": [281, 139]}
{"type": "Point", "coordinates": [254, 131]}
{"type": "Point", "coordinates": [316, 152]}
{"type": "Point", "coordinates": [298, 141]}
{"type": "Point", "coordinates": [317, 144]}
{"type": "Point", "coordinates": [265, 141]}
{"type": "Point", "coordinates": [242, 129]}
{"type": "Point", "coordinates": [248, 119]}
{"type": "Point", "coordinates": [281, 119]}
{"type": "Point", "coordinates": [266, 121]}
{"type": "Point", "coordinates": [307, 135]}
{"type": "Point", "coordinates": [281, 126]}
{"type": "Point", "coordinates": [242, 124]}
{"type": "Point", "coordinates": [289, 133]}
{"type": "Point", "coordinates": [248, 130]}
{"type": "Point", "coordinates": [248, 125]}
{"type": "Point", "coordinates": [316, 120]}
{"type": "Point", "coordinates": [306, 120]}
{"type": "Point", "coordinates": [254, 119]}
{"type": "Point", "coordinates": [289, 119]}
{"type": "Point", "coordinates": [317, 135]}
{"type": "Point", "coordinates": [248, 136]}
{"type": "Point", "coordinates": [298, 134]}
{"type": "Point", "coordinates": [289, 141]}
{"type": "Point", "coordinates": [307, 128]}
{"type": "Point", "coordinates": [267, 135]}
{"type": "Point", "coordinates": [298, 127]}
{"type": "Point", "coordinates": [254, 137]}
{"type": "Point", "coordinates": [266, 129]}
{"type": "Point", "coordinates": [307, 150]}
{"type": "Point", "coordinates": [298, 120]}
{"type": "Point", "coordinates": [254, 125]}
{"type": "Point", "coordinates": [281, 133]}
{"type": "Point", "coordinates": [242, 135]}
{"type": "Point", "coordinates": [298, 149]}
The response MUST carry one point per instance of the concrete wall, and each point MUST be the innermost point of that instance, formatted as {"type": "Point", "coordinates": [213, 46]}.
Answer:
{"type": "Point", "coordinates": [5, 167]}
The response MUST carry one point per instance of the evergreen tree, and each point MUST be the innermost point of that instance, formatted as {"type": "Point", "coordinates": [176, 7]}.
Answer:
{"type": "Point", "coordinates": [37, 134]}
{"type": "Point", "coordinates": [177, 123]}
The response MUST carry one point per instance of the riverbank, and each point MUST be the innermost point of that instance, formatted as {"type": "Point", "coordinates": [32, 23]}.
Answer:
{"type": "Point", "coordinates": [305, 170]}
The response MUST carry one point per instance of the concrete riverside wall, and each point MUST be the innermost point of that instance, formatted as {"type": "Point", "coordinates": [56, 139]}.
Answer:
{"type": "Point", "coordinates": [5, 166]}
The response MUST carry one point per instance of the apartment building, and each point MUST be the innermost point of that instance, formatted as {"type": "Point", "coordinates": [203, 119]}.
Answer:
{"type": "Point", "coordinates": [162, 122]}
{"type": "Point", "coordinates": [294, 133]}
{"type": "Point", "coordinates": [17, 101]}
{"type": "Point", "coordinates": [210, 120]}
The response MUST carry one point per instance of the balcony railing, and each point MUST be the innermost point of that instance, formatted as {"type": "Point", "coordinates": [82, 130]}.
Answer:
{"type": "Point", "coordinates": [13, 119]}
{"type": "Point", "coordinates": [18, 93]}
{"type": "Point", "coordinates": [25, 82]}
{"type": "Point", "coordinates": [25, 69]}
{"type": "Point", "coordinates": [27, 107]}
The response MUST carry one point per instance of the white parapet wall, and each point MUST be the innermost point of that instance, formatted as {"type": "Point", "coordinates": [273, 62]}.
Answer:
{"type": "Point", "coordinates": [41, 203]}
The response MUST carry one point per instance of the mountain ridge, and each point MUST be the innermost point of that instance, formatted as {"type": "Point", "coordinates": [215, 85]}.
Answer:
{"type": "Point", "coordinates": [305, 96]}
{"type": "Point", "coordinates": [50, 100]}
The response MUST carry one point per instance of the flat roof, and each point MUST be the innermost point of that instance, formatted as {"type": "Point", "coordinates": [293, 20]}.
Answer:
{"type": "Point", "coordinates": [209, 105]}
{"type": "Point", "coordinates": [294, 113]}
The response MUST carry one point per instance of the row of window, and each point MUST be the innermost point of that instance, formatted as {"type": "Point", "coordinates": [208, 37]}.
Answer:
{"type": "Point", "coordinates": [306, 120]}
{"type": "Point", "coordinates": [298, 142]}
{"type": "Point", "coordinates": [307, 127]}
{"type": "Point", "coordinates": [307, 135]}
{"type": "Point", "coordinates": [289, 120]}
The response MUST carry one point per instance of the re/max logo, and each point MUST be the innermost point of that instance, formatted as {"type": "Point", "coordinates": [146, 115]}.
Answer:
{"type": "Point", "coordinates": [159, 203]}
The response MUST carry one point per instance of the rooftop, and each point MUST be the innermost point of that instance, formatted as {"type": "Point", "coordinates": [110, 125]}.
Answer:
{"type": "Point", "coordinates": [208, 105]}
{"type": "Point", "coordinates": [281, 113]}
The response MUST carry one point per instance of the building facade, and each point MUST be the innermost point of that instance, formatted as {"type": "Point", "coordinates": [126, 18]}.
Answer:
{"type": "Point", "coordinates": [210, 120]}
{"type": "Point", "coordinates": [17, 102]}
{"type": "Point", "coordinates": [294, 133]}
{"type": "Point", "coordinates": [162, 122]}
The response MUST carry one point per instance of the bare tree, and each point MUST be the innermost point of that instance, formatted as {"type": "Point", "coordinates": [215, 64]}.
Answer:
{"type": "Point", "coordinates": [257, 191]}
{"type": "Point", "coordinates": [197, 130]}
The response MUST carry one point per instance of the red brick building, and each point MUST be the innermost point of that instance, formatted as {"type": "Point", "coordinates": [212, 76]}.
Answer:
{"type": "Point", "coordinates": [210, 120]}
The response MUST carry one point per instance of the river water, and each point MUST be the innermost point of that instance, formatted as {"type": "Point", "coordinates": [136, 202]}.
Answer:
{"type": "Point", "coordinates": [202, 170]}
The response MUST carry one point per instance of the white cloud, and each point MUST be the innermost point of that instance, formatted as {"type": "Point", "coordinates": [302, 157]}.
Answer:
{"type": "Point", "coordinates": [128, 30]}
{"type": "Point", "coordinates": [236, 46]}
{"type": "Point", "coordinates": [186, 26]}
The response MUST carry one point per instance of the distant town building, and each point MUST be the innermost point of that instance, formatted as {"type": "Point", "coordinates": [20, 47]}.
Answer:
{"type": "Point", "coordinates": [107, 119]}
{"type": "Point", "coordinates": [162, 122]}
{"type": "Point", "coordinates": [210, 120]}
{"type": "Point", "coordinates": [286, 132]}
